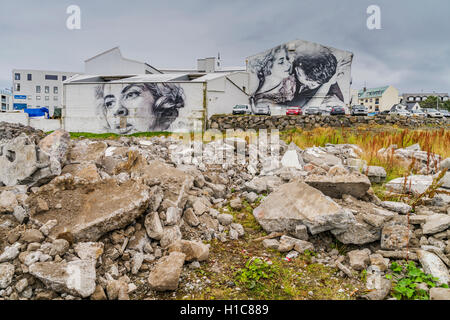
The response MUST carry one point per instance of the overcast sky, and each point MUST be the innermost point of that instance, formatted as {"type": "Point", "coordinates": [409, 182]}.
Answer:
{"type": "Point", "coordinates": [410, 52]}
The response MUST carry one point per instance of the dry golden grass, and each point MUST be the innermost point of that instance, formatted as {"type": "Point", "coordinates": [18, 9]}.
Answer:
{"type": "Point", "coordinates": [372, 138]}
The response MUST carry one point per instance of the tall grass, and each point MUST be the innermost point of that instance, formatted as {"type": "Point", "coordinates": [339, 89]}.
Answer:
{"type": "Point", "coordinates": [371, 139]}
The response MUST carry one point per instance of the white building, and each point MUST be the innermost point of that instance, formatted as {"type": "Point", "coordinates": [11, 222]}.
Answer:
{"type": "Point", "coordinates": [38, 88]}
{"type": "Point", "coordinates": [111, 62]}
{"type": "Point", "coordinates": [6, 100]}
{"type": "Point", "coordinates": [150, 102]}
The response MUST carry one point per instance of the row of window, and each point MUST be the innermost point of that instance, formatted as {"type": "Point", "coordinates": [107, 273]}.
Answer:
{"type": "Point", "coordinates": [377, 101]}
{"type": "Point", "coordinates": [425, 98]}
{"type": "Point", "coordinates": [38, 89]}
{"type": "Point", "coordinates": [47, 77]}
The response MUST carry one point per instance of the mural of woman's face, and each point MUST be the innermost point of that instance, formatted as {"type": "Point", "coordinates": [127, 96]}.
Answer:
{"type": "Point", "coordinates": [129, 109]}
{"type": "Point", "coordinates": [281, 65]}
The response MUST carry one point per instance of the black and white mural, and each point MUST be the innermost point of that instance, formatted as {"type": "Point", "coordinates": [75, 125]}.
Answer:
{"type": "Point", "coordinates": [300, 73]}
{"type": "Point", "coordinates": [139, 107]}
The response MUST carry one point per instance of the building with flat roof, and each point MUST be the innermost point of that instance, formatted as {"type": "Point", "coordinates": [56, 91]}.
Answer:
{"type": "Point", "coordinates": [378, 99]}
{"type": "Point", "coordinates": [38, 88]}
{"type": "Point", "coordinates": [6, 100]}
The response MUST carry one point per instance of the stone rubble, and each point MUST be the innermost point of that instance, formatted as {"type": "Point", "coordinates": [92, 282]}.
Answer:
{"type": "Point", "coordinates": [98, 219]}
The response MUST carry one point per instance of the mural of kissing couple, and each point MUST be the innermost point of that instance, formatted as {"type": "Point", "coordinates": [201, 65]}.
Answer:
{"type": "Point", "coordinates": [300, 73]}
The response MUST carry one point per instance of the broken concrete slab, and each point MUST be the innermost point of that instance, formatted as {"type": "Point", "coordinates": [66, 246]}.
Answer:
{"type": "Point", "coordinates": [88, 211]}
{"type": "Point", "coordinates": [75, 277]}
{"type": "Point", "coordinates": [433, 265]}
{"type": "Point", "coordinates": [398, 207]}
{"type": "Point", "coordinates": [194, 250]}
{"type": "Point", "coordinates": [297, 203]}
{"type": "Point", "coordinates": [354, 184]}
{"type": "Point", "coordinates": [436, 223]}
{"type": "Point", "coordinates": [358, 232]}
{"type": "Point", "coordinates": [57, 145]}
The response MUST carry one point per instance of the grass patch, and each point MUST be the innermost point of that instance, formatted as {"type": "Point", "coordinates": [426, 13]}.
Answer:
{"type": "Point", "coordinates": [88, 135]}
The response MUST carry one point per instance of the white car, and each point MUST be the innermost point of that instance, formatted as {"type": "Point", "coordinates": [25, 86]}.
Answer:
{"type": "Point", "coordinates": [418, 113]}
{"type": "Point", "coordinates": [433, 113]}
{"type": "Point", "coordinates": [400, 112]}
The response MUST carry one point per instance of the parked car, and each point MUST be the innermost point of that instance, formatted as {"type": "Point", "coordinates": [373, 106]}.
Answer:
{"type": "Point", "coordinates": [294, 111]}
{"type": "Point", "coordinates": [241, 109]}
{"type": "Point", "coordinates": [418, 113]}
{"type": "Point", "coordinates": [433, 113]}
{"type": "Point", "coordinates": [326, 110]}
{"type": "Point", "coordinates": [313, 111]}
{"type": "Point", "coordinates": [359, 110]}
{"type": "Point", "coordinates": [337, 111]}
{"type": "Point", "coordinates": [445, 113]}
{"type": "Point", "coordinates": [400, 112]}
{"type": "Point", "coordinates": [385, 112]}
{"type": "Point", "coordinates": [262, 110]}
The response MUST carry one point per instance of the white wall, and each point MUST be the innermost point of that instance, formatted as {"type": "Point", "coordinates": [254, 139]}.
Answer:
{"type": "Point", "coordinates": [14, 117]}
{"type": "Point", "coordinates": [38, 123]}
{"type": "Point", "coordinates": [84, 112]}
{"type": "Point", "coordinates": [223, 95]}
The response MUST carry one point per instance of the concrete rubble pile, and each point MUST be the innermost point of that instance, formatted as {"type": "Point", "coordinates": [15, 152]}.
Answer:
{"type": "Point", "coordinates": [107, 219]}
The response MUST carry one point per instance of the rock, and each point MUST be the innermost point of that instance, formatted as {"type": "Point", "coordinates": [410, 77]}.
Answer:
{"type": "Point", "coordinates": [378, 285]}
{"type": "Point", "coordinates": [32, 235]}
{"type": "Point", "coordinates": [166, 274]}
{"type": "Point", "coordinates": [395, 237]}
{"type": "Point", "coordinates": [263, 184]}
{"type": "Point", "coordinates": [48, 226]}
{"type": "Point", "coordinates": [219, 190]}
{"type": "Point", "coordinates": [98, 208]}
{"type": "Point", "coordinates": [251, 197]}
{"type": "Point", "coordinates": [173, 215]}
{"type": "Point", "coordinates": [199, 207]}
{"type": "Point", "coordinates": [376, 174]}
{"type": "Point", "coordinates": [194, 250]}
{"type": "Point", "coordinates": [170, 235]}
{"type": "Point", "coordinates": [354, 184]}
{"type": "Point", "coordinates": [299, 245]}
{"type": "Point", "coordinates": [415, 184]}
{"type": "Point", "coordinates": [398, 207]}
{"type": "Point", "coordinates": [296, 203]}
{"type": "Point", "coordinates": [89, 250]}
{"type": "Point", "coordinates": [57, 145]}
{"type": "Point", "coordinates": [99, 293]}
{"type": "Point", "coordinates": [23, 163]}
{"type": "Point", "coordinates": [21, 285]}
{"type": "Point", "coordinates": [291, 160]}
{"type": "Point", "coordinates": [439, 294]}
{"type": "Point", "coordinates": [8, 202]}
{"type": "Point", "coordinates": [117, 290]}
{"type": "Point", "coordinates": [433, 265]}
{"type": "Point", "coordinates": [153, 226]}
{"type": "Point", "coordinates": [300, 232]}
{"type": "Point", "coordinates": [74, 277]}
{"type": "Point", "coordinates": [379, 261]}
{"type": "Point", "coordinates": [190, 217]}
{"type": "Point", "coordinates": [445, 180]}
{"type": "Point", "coordinates": [236, 204]}
{"type": "Point", "coordinates": [20, 214]}
{"type": "Point", "coordinates": [271, 244]}
{"type": "Point", "coordinates": [225, 219]}
{"type": "Point", "coordinates": [399, 254]}
{"type": "Point", "coordinates": [136, 262]}
{"type": "Point", "coordinates": [6, 274]}
{"type": "Point", "coordinates": [436, 223]}
{"type": "Point", "coordinates": [374, 220]}
{"type": "Point", "coordinates": [358, 233]}
{"type": "Point", "coordinates": [320, 157]}
{"type": "Point", "coordinates": [239, 229]}
{"type": "Point", "coordinates": [59, 247]}
{"type": "Point", "coordinates": [233, 234]}
{"type": "Point", "coordinates": [359, 259]}
{"type": "Point", "coordinates": [10, 253]}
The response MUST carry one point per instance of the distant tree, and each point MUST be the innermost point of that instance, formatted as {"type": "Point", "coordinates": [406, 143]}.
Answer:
{"type": "Point", "coordinates": [430, 102]}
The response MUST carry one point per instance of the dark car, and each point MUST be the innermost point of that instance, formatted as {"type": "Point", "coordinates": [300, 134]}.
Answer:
{"type": "Point", "coordinates": [359, 110]}
{"type": "Point", "coordinates": [313, 111]}
{"type": "Point", "coordinates": [337, 111]}
{"type": "Point", "coordinates": [294, 111]}
{"type": "Point", "coordinates": [385, 112]}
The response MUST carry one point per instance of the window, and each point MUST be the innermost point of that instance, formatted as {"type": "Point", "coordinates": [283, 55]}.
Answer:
{"type": "Point", "coordinates": [55, 90]}
{"type": "Point", "coordinates": [46, 98]}
{"type": "Point", "coordinates": [30, 97]}
{"type": "Point", "coordinates": [17, 86]}
{"type": "Point", "coordinates": [55, 98]}
{"type": "Point", "coordinates": [38, 89]}
{"type": "Point", "coordinates": [64, 78]}
{"type": "Point", "coordinates": [377, 101]}
{"type": "Point", "coordinates": [51, 77]}
{"type": "Point", "coordinates": [47, 89]}
{"type": "Point", "coordinates": [410, 98]}
{"type": "Point", "coordinates": [29, 77]}
{"type": "Point", "coordinates": [17, 76]}
{"type": "Point", "coordinates": [38, 97]}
